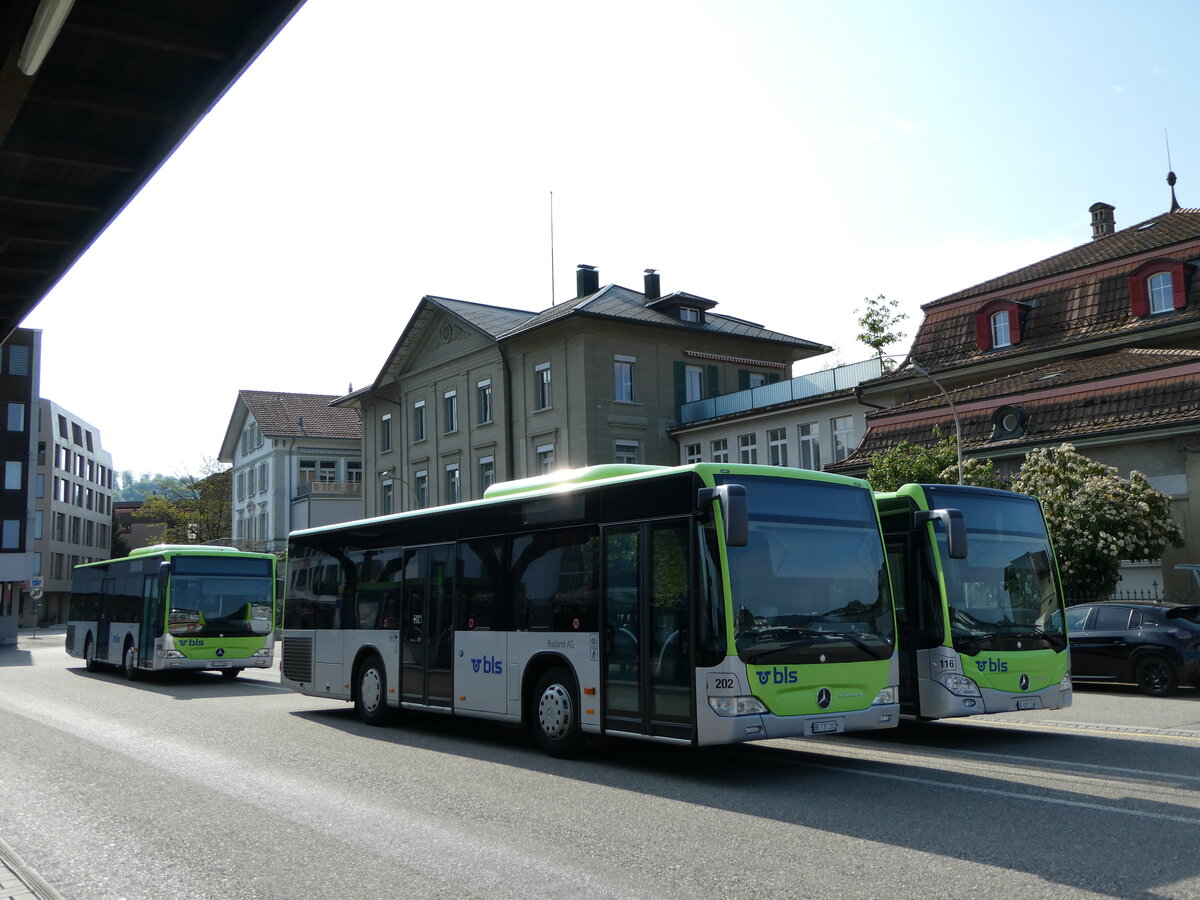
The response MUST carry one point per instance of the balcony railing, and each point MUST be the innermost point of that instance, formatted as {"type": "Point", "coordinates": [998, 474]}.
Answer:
{"type": "Point", "coordinates": [330, 490]}
{"type": "Point", "coordinates": [839, 378]}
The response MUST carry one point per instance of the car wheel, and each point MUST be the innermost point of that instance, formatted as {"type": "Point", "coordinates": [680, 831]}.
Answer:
{"type": "Point", "coordinates": [1155, 676]}
{"type": "Point", "coordinates": [556, 714]}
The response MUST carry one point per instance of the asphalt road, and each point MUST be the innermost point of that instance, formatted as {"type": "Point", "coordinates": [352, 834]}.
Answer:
{"type": "Point", "coordinates": [197, 787]}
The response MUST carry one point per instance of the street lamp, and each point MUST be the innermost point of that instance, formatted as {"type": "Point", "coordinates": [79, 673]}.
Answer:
{"type": "Point", "coordinates": [920, 370]}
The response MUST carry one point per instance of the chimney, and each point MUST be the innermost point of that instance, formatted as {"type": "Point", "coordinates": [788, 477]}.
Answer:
{"type": "Point", "coordinates": [653, 291]}
{"type": "Point", "coordinates": [1103, 221]}
{"type": "Point", "coordinates": [587, 280]}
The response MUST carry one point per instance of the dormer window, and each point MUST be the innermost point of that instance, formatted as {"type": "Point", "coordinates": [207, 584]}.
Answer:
{"type": "Point", "coordinates": [1158, 286]}
{"type": "Point", "coordinates": [999, 326]}
{"type": "Point", "coordinates": [689, 314]}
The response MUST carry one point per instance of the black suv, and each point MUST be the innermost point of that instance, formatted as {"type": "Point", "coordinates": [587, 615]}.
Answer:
{"type": "Point", "coordinates": [1153, 645]}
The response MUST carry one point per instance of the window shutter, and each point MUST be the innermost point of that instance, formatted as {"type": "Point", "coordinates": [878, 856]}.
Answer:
{"type": "Point", "coordinates": [1014, 325]}
{"type": "Point", "coordinates": [743, 379]}
{"type": "Point", "coordinates": [983, 330]}
{"type": "Point", "coordinates": [772, 378]}
{"type": "Point", "coordinates": [680, 386]}
{"type": "Point", "coordinates": [714, 382]}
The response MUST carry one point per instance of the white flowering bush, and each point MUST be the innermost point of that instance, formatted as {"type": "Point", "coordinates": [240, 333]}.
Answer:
{"type": "Point", "coordinates": [909, 463]}
{"type": "Point", "coordinates": [1095, 517]}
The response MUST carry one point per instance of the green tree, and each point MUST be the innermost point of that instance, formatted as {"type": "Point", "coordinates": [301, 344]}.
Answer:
{"type": "Point", "coordinates": [1096, 518]}
{"type": "Point", "coordinates": [197, 511]}
{"type": "Point", "coordinates": [127, 486]}
{"type": "Point", "coordinates": [909, 463]}
{"type": "Point", "coordinates": [880, 322]}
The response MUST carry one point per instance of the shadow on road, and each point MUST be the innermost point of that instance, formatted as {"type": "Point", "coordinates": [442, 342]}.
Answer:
{"type": "Point", "coordinates": [958, 815]}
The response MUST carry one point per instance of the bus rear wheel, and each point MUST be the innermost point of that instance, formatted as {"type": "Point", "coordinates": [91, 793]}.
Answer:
{"type": "Point", "coordinates": [370, 699]}
{"type": "Point", "coordinates": [129, 662]}
{"type": "Point", "coordinates": [89, 655]}
{"type": "Point", "coordinates": [556, 714]}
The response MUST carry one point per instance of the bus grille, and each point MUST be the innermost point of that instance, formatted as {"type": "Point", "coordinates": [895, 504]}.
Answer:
{"type": "Point", "coordinates": [297, 659]}
{"type": "Point", "coordinates": [70, 638]}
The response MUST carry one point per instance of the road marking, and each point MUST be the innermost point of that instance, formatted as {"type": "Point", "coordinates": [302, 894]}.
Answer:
{"type": "Point", "coordinates": [1072, 764]}
{"type": "Point", "coordinates": [1127, 732]}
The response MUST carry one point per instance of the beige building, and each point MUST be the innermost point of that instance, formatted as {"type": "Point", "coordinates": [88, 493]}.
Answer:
{"type": "Point", "coordinates": [473, 394]}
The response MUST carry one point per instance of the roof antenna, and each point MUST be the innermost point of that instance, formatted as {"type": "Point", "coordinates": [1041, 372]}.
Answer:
{"type": "Point", "coordinates": [552, 298]}
{"type": "Point", "coordinates": [1170, 171]}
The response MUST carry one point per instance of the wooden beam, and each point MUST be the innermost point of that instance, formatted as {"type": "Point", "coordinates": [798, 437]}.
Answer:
{"type": "Point", "coordinates": [103, 100]}
{"type": "Point", "coordinates": [82, 155]}
{"type": "Point", "coordinates": [113, 25]}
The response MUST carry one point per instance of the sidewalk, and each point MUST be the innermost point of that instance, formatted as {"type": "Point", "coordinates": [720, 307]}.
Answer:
{"type": "Point", "coordinates": [18, 881]}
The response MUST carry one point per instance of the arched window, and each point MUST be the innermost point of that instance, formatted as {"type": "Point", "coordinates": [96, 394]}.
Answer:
{"type": "Point", "coordinates": [1000, 331]}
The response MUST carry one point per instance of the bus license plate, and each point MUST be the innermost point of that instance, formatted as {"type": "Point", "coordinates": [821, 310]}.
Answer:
{"type": "Point", "coordinates": [220, 663]}
{"type": "Point", "coordinates": [1028, 704]}
{"type": "Point", "coordinates": [827, 727]}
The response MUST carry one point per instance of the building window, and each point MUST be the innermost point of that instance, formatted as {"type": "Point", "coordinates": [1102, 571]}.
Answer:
{"type": "Point", "coordinates": [18, 361]}
{"type": "Point", "coordinates": [777, 446]}
{"type": "Point", "coordinates": [545, 458]}
{"type": "Point", "coordinates": [450, 411]}
{"type": "Point", "coordinates": [262, 476]}
{"type": "Point", "coordinates": [1162, 295]}
{"type": "Point", "coordinates": [385, 432]}
{"type": "Point", "coordinates": [354, 471]}
{"type": "Point", "coordinates": [487, 473]}
{"type": "Point", "coordinates": [16, 417]}
{"type": "Point", "coordinates": [693, 384]}
{"type": "Point", "coordinates": [720, 450]}
{"type": "Point", "coordinates": [40, 486]}
{"type": "Point", "coordinates": [691, 454]}
{"type": "Point", "coordinates": [623, 378]}
{"type": "Point", "coordinates": [387, 499]}
{"type": "Point", "coordinates": [1000, 329]}
{"type": "Point", "coordinates": [453, 492]}
{"type": "Point", "coordinates": [327, 471]}
{"type": "Point", "coordinates": [748, 448]}
{"type": "Point", "coordinates": [37, 524]}
{"type": "Point", "coordinates": [421, 488]}
{"type": "Point", "coordinates": [689, 314]}
{"type": "Point", "coordinates": [541, 380]}
{"type": "Point", "coordinates": [810, 446]}
{"type": "Point", "coordinates": [12, 475]}
{"type": "Point", "coordinates": [62, 427]}
{"type": "Point", "coordinates": [483, 400]}
{"type": "Point", "coordinates": [757, 379]}
{"type": "Point", "coordinates": [241, 486]}
{"type": "Point", "coordinates": [251, 481]}
{"type": "Point", "coordinates": [308, 471]}
{"type": "Point", "coordinates": [843, 436]}
{"type": "Point", "coordinates": [626, 452]}
{"type": "Point", "coordinates": [12, 534]}
{"type": "Point", "coordinates": [419, 421]}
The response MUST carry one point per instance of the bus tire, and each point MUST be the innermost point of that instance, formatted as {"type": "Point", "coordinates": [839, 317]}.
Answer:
{"type": "Point", "coordinates": [230, 673]}
{"type": "Point", "coordinates": [370, 695]}
{"type": "Point", "coordinates": [129, 661]}
{"type": "Point", "coordinates": [1155, 675]}
{"type": "Point", "coordinates": [89, 655]}
{"type": "Point", "coordinates": [555, 710]}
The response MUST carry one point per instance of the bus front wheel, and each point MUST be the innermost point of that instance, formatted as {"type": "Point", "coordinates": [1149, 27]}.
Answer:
{"type": "Point", "coordinates": [230, 673]}
{"type": "Point", "coordinates": [370, 700]}
{"type": "Point", "coordinates": [556, 714]}
{"type": "Point", "coordinates": [89, 655]}
{"type": "Point", "coordinates": [129, 662]}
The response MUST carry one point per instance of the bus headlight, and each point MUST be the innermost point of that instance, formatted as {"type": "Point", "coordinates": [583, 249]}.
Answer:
{"type": "Point", "coordinates": [959, 685]}
{"type": "Point", "coordinates": [263, 652]}
{"type": "Point", "coordinates": [1066, 679]}
{"type": "Point", "coordinates": [737, 706]}
{"type": "Point", "coordinates": [886, 697]}
{"type": "Point", "coordinates": [170, 654]}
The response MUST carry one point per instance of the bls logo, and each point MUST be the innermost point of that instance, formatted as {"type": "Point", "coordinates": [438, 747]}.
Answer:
{"type": "Point", "coordinates": [777, 676]}
{"type": "Point", "coordinates": [991, 665]}
{"type": "Point", "coordinates": [189, 642]}
{"type": "Point", "coordinates": [489, 665]}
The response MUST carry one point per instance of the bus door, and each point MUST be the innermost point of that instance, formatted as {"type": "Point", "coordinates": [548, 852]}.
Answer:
{"type": "Point", "coordinates": [905, 589]}
{"type": "Point", "coordinates": [427, 626]}
{"type": "Point", "coordinates": [151, 621]}
{"type": "Point", "coordinates": [104, 624]}
{"type": "Point", "coordinates": [647, 665]}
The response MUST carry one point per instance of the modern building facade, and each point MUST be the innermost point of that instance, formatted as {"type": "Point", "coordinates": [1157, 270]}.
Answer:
{"type": "Point", "coordinates": [806, 422]}
{"type": "Point", "coordinates": [297, 463]}
{"type": "Point", "coordinates": [1098, 346]}
{"type": "Point", "coordinates": [473, 394]}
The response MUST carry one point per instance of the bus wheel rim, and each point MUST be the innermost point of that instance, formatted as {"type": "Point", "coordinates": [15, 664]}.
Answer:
{"type": "Point", "coordinates": [370, 690]}
{"type": "Point", "coordinates": [554, 711]}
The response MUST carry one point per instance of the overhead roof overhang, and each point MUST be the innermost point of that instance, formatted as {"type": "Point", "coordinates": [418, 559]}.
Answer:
{"type": "Point", "coordinates": [94, 96]}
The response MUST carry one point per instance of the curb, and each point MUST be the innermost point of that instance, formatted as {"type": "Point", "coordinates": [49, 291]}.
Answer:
{"type": "Point", "coordinates": [35, 886]}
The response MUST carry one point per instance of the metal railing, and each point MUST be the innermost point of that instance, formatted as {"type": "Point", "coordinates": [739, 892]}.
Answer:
{"type": "Point", "coordinates": [334, 490]}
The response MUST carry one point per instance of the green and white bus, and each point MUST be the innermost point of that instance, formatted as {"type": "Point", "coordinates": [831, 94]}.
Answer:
{"type": "Point", "coordinates": [701, 604]}
{"type": "Point", "coordinates": [979, 602]}
{"type": "Point", "coordinates": [175, 607]}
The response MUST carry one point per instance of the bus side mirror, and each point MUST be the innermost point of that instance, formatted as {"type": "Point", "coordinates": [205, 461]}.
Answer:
{"type": "Point", "coordinates": [164, 575]}
{"type": "Point", "coordinates": [734, 512]}
{"type": "Point", "coordinates": [956, 528]}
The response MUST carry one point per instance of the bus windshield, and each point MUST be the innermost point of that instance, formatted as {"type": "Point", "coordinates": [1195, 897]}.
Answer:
{"type": "Point", "coordinates": [215, 596]}
{"type": "Point", "coordinates": [1004, 595]}
{"type": "Point", "coordinates": [811, 585]}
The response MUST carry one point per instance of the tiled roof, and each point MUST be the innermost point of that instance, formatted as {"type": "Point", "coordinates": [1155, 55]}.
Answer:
{"type": "Point", "coordinates": [280, 415]}
{"type": "Point", "coordinates": [491, 320]}
{"type": "Point", "coordinates": [1161, 231]}
{"type": "Point", "coordinates": [1163, 395]}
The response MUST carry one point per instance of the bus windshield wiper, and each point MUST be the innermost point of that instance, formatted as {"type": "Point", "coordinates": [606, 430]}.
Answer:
{"type": "Point", "coordinates": [860, 643]}
{"type": "Point", "coordinates": [975, 639]}
{"type": "Point", "coordinates": [811, 633]}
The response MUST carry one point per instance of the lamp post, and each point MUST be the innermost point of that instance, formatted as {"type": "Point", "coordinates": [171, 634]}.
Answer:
{"type": "Point", "coordinates": [920, 370]}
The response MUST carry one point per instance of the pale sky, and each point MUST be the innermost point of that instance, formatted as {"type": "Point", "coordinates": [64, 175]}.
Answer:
{"type": "Point", "coordinates": [785, 159]}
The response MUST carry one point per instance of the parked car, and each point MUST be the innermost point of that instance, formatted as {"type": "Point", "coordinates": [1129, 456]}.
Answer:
{"type": "Point", "coordinates": [1153, 645]}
